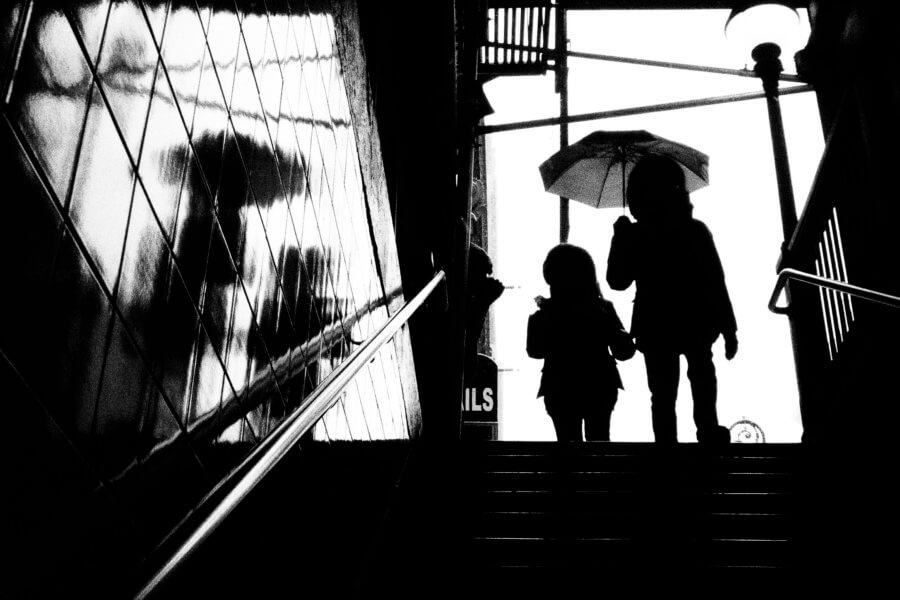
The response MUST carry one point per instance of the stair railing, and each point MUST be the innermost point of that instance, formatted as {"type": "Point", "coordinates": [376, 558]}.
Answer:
{"type": "Point", "coordinates": [226, 496]}
{"type": "Point", "coordinates": [823, 282]}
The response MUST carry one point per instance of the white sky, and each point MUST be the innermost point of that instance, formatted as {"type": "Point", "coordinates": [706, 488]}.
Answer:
{"type": "Point", "coordinates": [740, 206]}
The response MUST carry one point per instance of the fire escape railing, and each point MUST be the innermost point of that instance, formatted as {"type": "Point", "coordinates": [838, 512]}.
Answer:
{"type": "Point", "coordinates": [518, 36]}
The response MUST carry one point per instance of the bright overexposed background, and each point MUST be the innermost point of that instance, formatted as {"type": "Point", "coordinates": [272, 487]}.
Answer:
{"type": "Point", "coordinates": [740, 206]}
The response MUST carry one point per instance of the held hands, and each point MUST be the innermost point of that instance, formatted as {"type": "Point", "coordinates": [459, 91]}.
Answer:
{"type": "Point", "coordinates": [731, 346]}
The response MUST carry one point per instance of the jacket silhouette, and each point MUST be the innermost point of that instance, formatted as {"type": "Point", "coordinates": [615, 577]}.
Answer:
{"type": "Point", "coordinates": [579, 335]}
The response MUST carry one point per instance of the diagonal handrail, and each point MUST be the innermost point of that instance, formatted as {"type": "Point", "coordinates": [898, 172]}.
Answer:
{"type": "Point", "coordinates": [239, 483]}
{"type": "Point", "coordinates": [839, 286]}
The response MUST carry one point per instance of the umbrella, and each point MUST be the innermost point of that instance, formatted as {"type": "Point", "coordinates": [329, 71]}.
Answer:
{"type": "Point", "coordinates": [594, 169]}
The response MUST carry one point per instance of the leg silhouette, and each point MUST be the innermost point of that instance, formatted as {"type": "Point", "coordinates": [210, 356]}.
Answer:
{"type": "Point", "coordinates": [662, 379]}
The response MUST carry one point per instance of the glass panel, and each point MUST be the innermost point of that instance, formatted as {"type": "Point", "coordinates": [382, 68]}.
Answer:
{"type": "Point", "coordinates": [218, 292]}
{"type": "Point", "coordinates": [187, 64]}
{"type": "Point", "coordinates": [356, 418]}
{"type": "Point", "coordinates": [315, 173]}
{"type": "Point", "coordinates": [315, 87]}
{"type": "Point", "coordinates": [239, 345]}
{"type": "Point", "coordinates": [269, 79]}
{"type": "Point", "coordinates": [156, 15]}
{"type": "Point", "coordinates": [101, 198]}
{"type": "Point", "coordinates": [232, 200]}
{"type": "Point", "coordinates": [14, 14]}
{"type": "Point", "coordinates": [224, 39]}
{"type": "Point", "coordinates": [50, 98]}
{"type": "Point", "coordinates": [145, 261]}
{"type": "Point", "coordinates": [90, 22]}
{"type": "Point", "coordinates": [73, 330]}
{"type": "Point", "coordinates": [166, 160]}
{"type": "Point", "coordinates": [207, 380]}
{"type": "Point", "coordinates": [170, 330]}
{"type": "Point", "coordinates": [116, 437]}
{"type": "Point", "coordinates": [393, 424]}
{"type": "Point", "coordinates": [394, 389]}
{"type": "Point", "coordinates": [328, 147]}
{"type": "Point", "coordinates": [370, 405]}
{"type": "Point", "coordinates": [127, 71]}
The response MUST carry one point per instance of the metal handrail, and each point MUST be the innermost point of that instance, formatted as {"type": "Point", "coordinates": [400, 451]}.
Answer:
{"type": "Point", "coordinates": [832, 284]}
{"type": "Point", "coordinates": [271, 450]}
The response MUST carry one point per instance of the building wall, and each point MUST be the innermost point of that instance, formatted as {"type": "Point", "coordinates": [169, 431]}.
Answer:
{"type": "Point", "coordinates": [188, 217]}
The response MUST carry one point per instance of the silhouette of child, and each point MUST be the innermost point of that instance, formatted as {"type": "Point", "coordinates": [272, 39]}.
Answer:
{"type": "Point", "coordinates": [681, 303]}
{"type": "Point", "coordinates": [579, 335]}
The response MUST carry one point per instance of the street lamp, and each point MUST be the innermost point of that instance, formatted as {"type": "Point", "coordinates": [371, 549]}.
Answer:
{"type": "Point", "coordinates": [765, 30]}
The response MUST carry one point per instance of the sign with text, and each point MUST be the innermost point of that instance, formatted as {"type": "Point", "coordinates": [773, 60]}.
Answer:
{"type": "Point", "coordinates": [479, 401]}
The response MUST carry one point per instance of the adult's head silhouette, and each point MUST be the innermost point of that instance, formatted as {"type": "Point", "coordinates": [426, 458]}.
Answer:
{"type": "Point", "coordinates": [657, 191]}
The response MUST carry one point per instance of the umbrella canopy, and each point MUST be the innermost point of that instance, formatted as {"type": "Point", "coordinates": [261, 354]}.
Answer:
{"type": "Point", "coordinates": [594, 169]}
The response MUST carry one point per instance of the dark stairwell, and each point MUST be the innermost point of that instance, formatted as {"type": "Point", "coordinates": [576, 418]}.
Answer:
{"type": "Point", "coordinates": [499, 518]}
{"type": "Point", "coordinates": [516, 519]}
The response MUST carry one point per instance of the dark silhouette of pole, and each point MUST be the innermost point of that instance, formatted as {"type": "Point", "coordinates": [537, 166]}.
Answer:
{"type": "Point", "coordinates": [768, 67]}
{"type": "Point", "coordinates": [562, 88]}
{"type": "Point", "coordinates": [802, 326]}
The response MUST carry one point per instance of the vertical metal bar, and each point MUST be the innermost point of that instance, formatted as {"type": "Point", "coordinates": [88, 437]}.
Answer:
{"type": "Point", "coordinates": [782, 169]}
{"type": "Point", "coordinates": [825, 319]}
{"type": "Point", "coordinates": [513, 29]}
{"type": "Point", "coordinates": [493, 34]}
{"type": "Point", "coordinates": [507, 33]}
{"type": "Point", "coordinates": [828, 299]}
{"type": "Point", "coordinates": [516, 54]}
{"type": "Point", "coordinates": [530, 37]}
{"type": "Point", "coordinates": [514, 34]}
{"type": "Point", "coordinates": [840, 242]}
{"type": "Point", "coordinates": [562, 84]}
{"type": "Point", "coordinates": [484, 51]}
{"type": "Point", "coordinates": [21, 32]}
{"type": "Point", "coordinates": [830, 273]}
{"type": "Point", "coordinates": [544, 28]}
{"type": "Point", "coordinates": [523, 55]}
{"type": "Point", "coordinates": [839, 274]}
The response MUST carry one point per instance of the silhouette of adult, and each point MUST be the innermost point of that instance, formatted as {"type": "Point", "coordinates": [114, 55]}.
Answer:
{"type": "Point", "coordinates": [579, 335]}
{"type": "Point", "coordinates": [681, 303]}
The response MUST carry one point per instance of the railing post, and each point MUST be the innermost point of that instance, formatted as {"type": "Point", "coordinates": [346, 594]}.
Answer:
{"type": "Point", "coordinates": [562, 88]}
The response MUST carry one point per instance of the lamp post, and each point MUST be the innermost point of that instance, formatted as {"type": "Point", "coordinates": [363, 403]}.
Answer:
{"type": "Point", "coordinates": [768, 67]}
{"type": "Point", "coordinates": [764, 28]}
{"type": "Point", "coordinates": [767, 29]}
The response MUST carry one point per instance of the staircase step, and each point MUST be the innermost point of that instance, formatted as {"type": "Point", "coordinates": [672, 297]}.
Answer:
{"type": "Point", "coordinates": [537, 515]}
{"type": "Point", "coordinates": [594, 480]}
{"type": "Point", "coordinates": [685, 459]}
{"type": "Point", "coordinates": [608, 552]}
{"type": "Point", "coordinates": [623, 524]}
{"type": "Point", "coordinates": [625, 500]}
{"type": "Point", "coordinates": [573, 581]}
{"type": "Point", "coordinates": [521, 448]}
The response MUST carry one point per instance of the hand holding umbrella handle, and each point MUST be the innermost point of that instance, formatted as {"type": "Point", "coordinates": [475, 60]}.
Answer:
{"type": "Point", "coordinates": [622, 224]}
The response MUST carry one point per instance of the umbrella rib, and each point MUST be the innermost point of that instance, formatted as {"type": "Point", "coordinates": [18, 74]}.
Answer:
{"type": "Point", "coordinates": [604, 178]}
